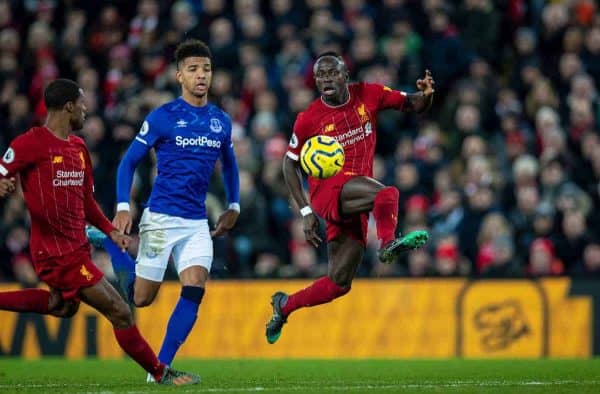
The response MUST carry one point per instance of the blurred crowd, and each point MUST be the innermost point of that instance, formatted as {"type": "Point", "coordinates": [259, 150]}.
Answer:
{"type": "Point", "coordinates": [504, 170]}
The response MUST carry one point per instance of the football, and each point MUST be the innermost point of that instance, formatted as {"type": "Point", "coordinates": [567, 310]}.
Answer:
{"type": "Point", "coordinates": [322, 156]}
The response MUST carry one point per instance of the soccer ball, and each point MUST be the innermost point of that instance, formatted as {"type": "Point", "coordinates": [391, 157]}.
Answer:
{"type": "Point", "coordinates": [322, 157]}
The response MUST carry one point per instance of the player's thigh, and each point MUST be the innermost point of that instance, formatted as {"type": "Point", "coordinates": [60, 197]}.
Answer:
{"type": "Point", "coordinates": [358, 194]}
{"type": "Point", "coordinates": [158, 235]}
{"type": "Point", "coordinates": [193, 255]}
{"type": "Point", "coordinates": [345, 255]}
{"type": "Point", "coordinates": [145, 291]}
{"type": "Point", "coordinates": [105, 299]}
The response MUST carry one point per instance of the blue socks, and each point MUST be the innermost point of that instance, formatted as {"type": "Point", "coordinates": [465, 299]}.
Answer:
{"type": "Point", "coordinates": [123, 264]}
{"type": "Point", "coordinates": [121, 261]}
{"type": "Point", "coordinates": [181, 322]}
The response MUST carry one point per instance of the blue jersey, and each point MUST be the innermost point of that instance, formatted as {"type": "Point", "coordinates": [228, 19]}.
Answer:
{"type": "Point", "coordinates": [188, 141]}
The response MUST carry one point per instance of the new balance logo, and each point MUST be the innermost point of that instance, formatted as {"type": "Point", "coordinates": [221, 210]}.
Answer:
{"type": "Point", "coordinates": [57, 160]}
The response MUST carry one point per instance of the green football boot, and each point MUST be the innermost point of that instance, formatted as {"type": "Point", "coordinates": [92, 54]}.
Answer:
{"type": "Point", "coordinates": [277, 321]}
{"type": "Point", "coordinates": [413, 240]}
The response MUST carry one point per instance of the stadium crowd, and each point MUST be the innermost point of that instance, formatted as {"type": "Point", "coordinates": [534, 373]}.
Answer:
{"type": "Point", "coordinates": [503, 171]}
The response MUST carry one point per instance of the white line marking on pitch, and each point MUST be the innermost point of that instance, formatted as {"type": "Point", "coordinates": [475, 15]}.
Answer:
{"type": "Point", "coordinates": [340, 387]}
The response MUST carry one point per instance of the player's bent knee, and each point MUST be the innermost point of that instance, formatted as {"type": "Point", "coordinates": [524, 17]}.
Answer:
{"type": "Point", "coordinates": [143, 300]}
{"type": "Point", "coordinates": [71, 308]}
{"type": "Point", "coordinates": [56, 302]}
{"type": "Point", "coordinates": [194, 276]}
{"type": "Point", "coordinates": [338, 288]}
{"type": "Point", "coordinates": [342, 278]}
{"type": "Point", "coordinates": [65, 309]}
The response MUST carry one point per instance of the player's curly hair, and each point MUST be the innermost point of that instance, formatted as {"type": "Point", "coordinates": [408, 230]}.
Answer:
{"type": "Point", "coordinates": [59, 92]}
{"type": "Point", "coordinates": [191, 48]}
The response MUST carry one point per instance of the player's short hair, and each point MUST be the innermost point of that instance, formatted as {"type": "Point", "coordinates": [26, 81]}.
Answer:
{"type": "Point", "coordinates": [332, 54]}
{"type": "Point", "coordinates": [191, 48]}
{"type": "Point", "coordinates": [59, 92]}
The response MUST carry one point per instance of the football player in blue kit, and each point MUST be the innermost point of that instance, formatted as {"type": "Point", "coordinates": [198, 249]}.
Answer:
{"type": "Point", "coordinates": [189, 135]}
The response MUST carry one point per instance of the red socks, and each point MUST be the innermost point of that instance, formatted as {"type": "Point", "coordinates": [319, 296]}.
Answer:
{"type": "Point", "coordinates": [322, 290]}
{"type": "Point", "coordinates": [137, 348]}
{"type": "Point", "coordinates": [385, 211]}
{"type": "Point", "coordinates": [27, 300]}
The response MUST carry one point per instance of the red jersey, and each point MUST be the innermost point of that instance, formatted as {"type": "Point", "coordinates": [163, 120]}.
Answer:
{"type": "Point", "coordinates": [353, 124]}
{"type": "Point", "coordinates": [56, 176]}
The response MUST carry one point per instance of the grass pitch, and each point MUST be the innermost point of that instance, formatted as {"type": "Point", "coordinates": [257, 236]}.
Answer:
{"type": "Point", "coordinates": [309, 376]}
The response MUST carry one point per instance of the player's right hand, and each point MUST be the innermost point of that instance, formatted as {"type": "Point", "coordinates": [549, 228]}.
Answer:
{"type": "Point", "coordinates": [7, 186]}
{"type": "Point", "coordinates": [120, 239]}
{"type": "Point", "coordinates": [311, 230]}
{"type": "Point", "coordinates": [122, 221]}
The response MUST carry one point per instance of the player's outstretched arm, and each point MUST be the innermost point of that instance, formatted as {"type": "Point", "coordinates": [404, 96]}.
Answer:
{"type": "Point", "coordinates": [422, 100]}
{"type": "Point", "coordinates": [293, 180]}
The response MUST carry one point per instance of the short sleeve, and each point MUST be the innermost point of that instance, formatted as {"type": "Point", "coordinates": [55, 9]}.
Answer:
{"type": "Point", "coordinates": [150, 131]}
{"type": "Point", "coordinates": [387, 97]}
{"type": "Point", "coordinates": [19, 155]}
{"type": "Point", "coordinates": [302, 131]}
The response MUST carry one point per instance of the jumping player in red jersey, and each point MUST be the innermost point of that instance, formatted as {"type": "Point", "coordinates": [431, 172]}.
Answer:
{"type": "Point", "coordinates": [347, 112]}
{"type": "Point", "coordinates": [56, 177]}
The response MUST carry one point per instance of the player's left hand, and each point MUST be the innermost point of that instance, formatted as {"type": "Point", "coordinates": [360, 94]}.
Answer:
{"type": "Point", "coordinates": [7, 186]}
{"type": "Point", "coordinates": [121, 240]}
{"type": "Point", "coordinates": [425, 85]}
{"type": "Point", "coordinates": [225, 223]}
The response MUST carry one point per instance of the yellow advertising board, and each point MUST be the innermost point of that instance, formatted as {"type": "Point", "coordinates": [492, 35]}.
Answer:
{"type": "Point", "coordinates": [391, 318]}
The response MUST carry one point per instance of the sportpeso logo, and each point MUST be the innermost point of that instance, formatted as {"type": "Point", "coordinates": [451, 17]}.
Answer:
{"type": "Point", "coordinates": [197, 141]}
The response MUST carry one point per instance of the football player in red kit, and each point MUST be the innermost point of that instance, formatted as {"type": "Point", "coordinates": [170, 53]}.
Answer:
{"type": "Point", "coordinates": [348, 113]}
{"type": "Point", "coordinates": [56, 177]}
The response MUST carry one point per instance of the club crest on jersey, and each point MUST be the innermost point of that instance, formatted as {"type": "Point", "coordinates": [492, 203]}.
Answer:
{"type": "Point", "coordinates": [9, 156]}
{"type": "Point", "coordinates": [362, 114]}
{"type": "Point", "coordinates": [215, 125]}
{"type": "Point", "coordinates": [85, 273]}
{"type": "Point", "coordinates": [329, 128]}
{"type": "Point", "coordinates": [145, 128]}
{"type": "Point", "coordinates": [181, 123]}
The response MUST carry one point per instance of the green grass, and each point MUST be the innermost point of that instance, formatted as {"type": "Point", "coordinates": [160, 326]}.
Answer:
{"type": "Point", "coordinates": [309, 376]}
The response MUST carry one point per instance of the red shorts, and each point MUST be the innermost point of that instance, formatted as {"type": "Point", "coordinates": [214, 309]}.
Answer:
{"type": "Point", "coordinates": [70, 272]}
{"type": "Point", "coordinates": [326, 203]}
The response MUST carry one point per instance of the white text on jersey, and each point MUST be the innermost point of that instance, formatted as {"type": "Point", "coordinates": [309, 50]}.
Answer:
{"type": "Point", "coordinates": [197, 141]}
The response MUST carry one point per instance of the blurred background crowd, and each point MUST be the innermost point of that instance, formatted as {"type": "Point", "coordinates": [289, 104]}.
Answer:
{"type": "Point", "coordinates": [504, 170]}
